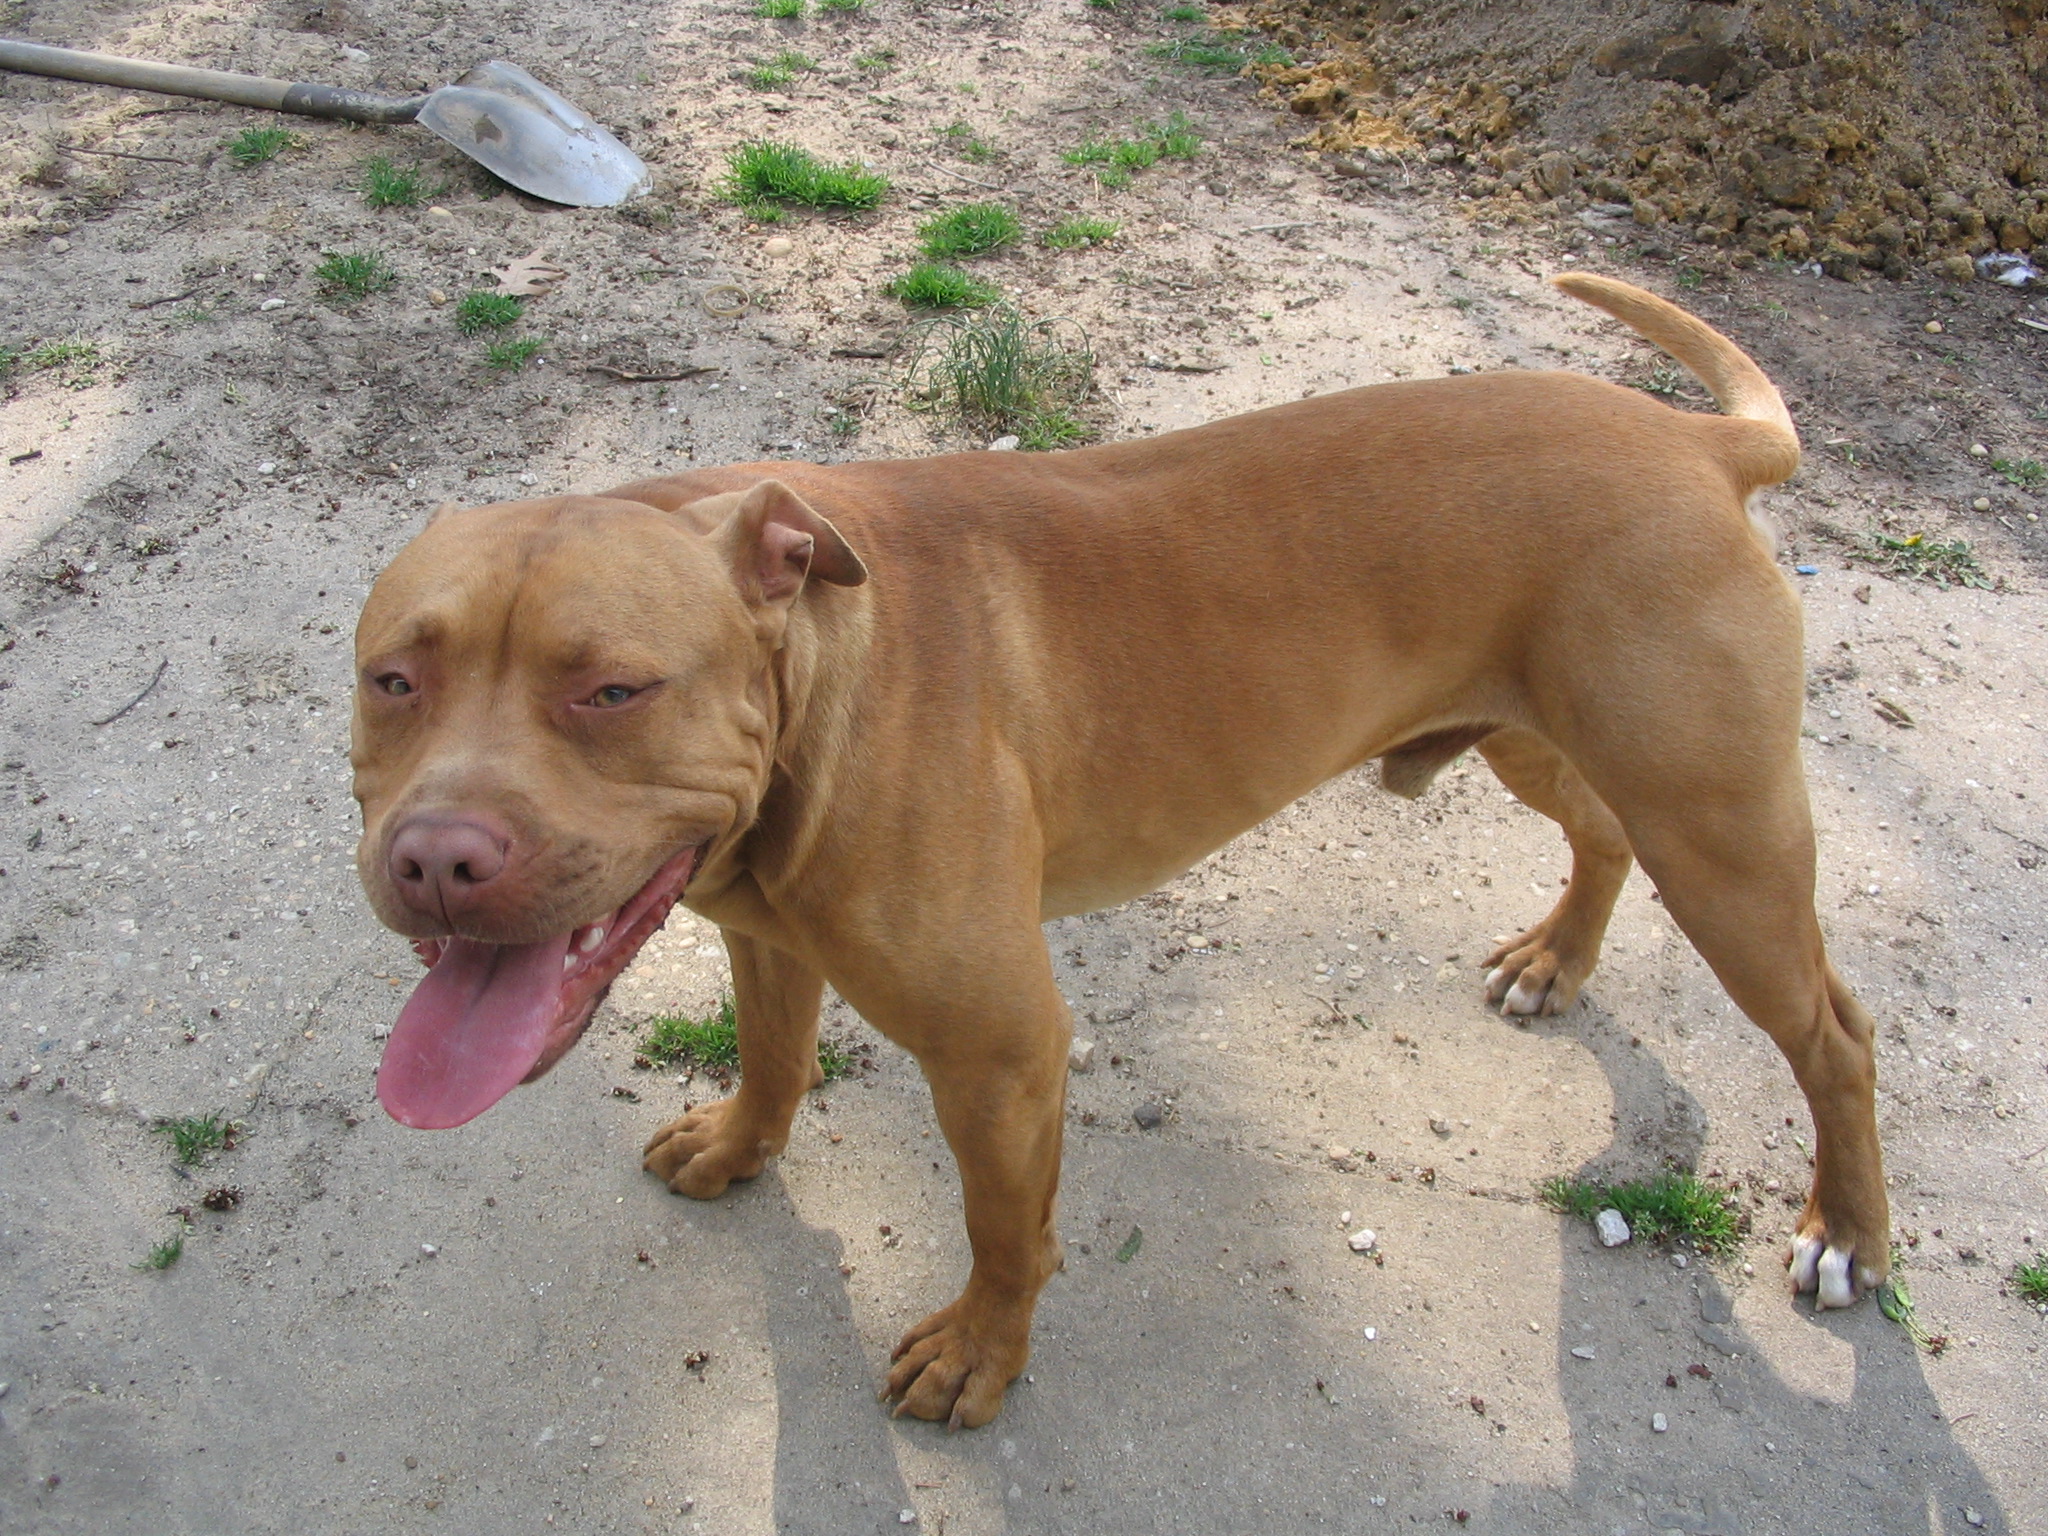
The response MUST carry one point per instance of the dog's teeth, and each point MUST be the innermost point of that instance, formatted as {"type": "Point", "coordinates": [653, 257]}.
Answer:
{"type": "Point", "coordinates": [568, 962]}
{"type": "Point", "coordinates": [592, 937]}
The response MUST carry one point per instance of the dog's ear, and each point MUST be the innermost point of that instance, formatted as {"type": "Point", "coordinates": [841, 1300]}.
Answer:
{"type": "Point", "coordinates": [774, 542]}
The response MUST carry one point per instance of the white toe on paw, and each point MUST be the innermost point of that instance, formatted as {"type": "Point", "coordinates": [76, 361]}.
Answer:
{"type": "Point", "coordinates": [1496, 983]}
{"type": "Point", "coordinates": [1526, 996]}
{"type": "Point", "coordinates": [1805, 1263]}
{"type": "Point", "coordinates": [1835, 1289]}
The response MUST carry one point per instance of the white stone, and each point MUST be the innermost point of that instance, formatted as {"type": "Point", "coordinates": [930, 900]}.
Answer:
{"type": "Point", "coordinates": [428, 1250]}
{"type": "Point", "coordinates": [906, 1517]}
{"type": "Point", "coordinates": [778, 245]}
{"type": "Point", "coordinates": [269, 304]}
{"type": "Point", "coordinates": [1371, 1334]}
{"type": "Point", "coordinates": [1005, 444]}
{"type": "Point", "coordinates": [1658, 1423]}
{"type": "Point", "coordinates": [1612, 1227]}
{"type": "Point", "coordinates": [1364, 1240]}
{"type": "Point", "coordinates": [1582, 1351]}
{"type": "Point", "coordinates": [1081, 1056]}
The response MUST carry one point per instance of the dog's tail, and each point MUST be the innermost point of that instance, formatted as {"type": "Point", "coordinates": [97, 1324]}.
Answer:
{"type": "Point", "coordinates": [1739, 387]}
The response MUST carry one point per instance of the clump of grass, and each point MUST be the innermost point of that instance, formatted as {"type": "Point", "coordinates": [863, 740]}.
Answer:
{"type": "Point", "coordinates": [844, 7]}
{"type": "Point", "coordinates": [972, 146]}
{"type": "Point", "coordinates": [1669, 1205]}
{"type": "Point", "coordinates": [1115, 159]}
{"type": "Point", "coordinates": [972, 229]}
{"type": "Point", "coordinates": [779, 10]}
{"type": "Point", "coordinates": [1188, 15]}
{"type": "Point", "coordinates": [1072, 234]}
{"type": "Point", "coordinates": [167, 1252]}
{"type": "Point", "coordinates": [253, 146]}
{"type": "Point", "coordinates": [714, 1041]}
{"type": "Point", "coordinates": [78, 356]}
{"type": "Point", "coordinates": [1002, 373]}
{"type": "Point", "coordinates": [761, 173]}
{"type": "Point", "coordinates": [1945, 563]}
{"type": "Point", "coordinates": [2027, 474]}
{"type": "Point", "coordinates": [511, 353]}
{"type": "Point", "coordinates": [481, 309]}
{"type": "Point", "coordinates": [780, 70]}
{"type": "Point", "coordinates": [933, 285]}
{"type": "Point", "coordinates": [2031, 1281]}
{"type": "Point", "coordinates": [878, 61]}
{"type": "Point", "coordinates": [354, 274]}
{"type": "Point", "coordinates": [1219, 54]}
{"type": "Point", "coordinates": [193, 1136]}
{"type": "Point", "coordinates": [387, 184]}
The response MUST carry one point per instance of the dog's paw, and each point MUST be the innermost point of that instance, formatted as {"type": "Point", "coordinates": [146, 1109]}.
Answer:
{"type": "Point", "coordinates": [955, 1368]}
{"type": "Point", "coordinates": [1835, 1268]}
{"type": "Point", "coordinates": [1530, 975]}
{"type": "Point", "coordinates": [700, 1154]}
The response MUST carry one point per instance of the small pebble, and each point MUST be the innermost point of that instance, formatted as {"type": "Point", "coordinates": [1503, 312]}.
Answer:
{"type": "Point", "coordinates": [1679, 1261]}
{"type": "Point", "coordinates": [1197, 941]}
{"type": "Point", "coordinates": [436, 296]}
{"type": "Point", "coordinates": [1612, 1227]}
{"type": "Point", "coordinates": [266, 468]}
{"type": "Point", "coordinates": [1363, 1240]}
{"type": "Point", "coordinates": [428, 1250]}
{"type": "Point", "coordinates": [1582, 1352]}
{"type": "Point", "coordinates": [440, 215]}
{"type": "Point", "coordinates": [1971, 1517]}
{"type": "Point", "coordinates": [1149, 1116]}
{"type": "Point", "coordinates": [1440, 1125]}
{"type": "Point", "coordinates": [778, 245]}
{"type": "Point", "coordinates": [1658, 1423]}
{"type": "Point", "coordinates": [1979, 451]}
{"type": "Point", "coordinates": [1807, 570]}
{"type": "Point", "coordinates": [1371, 1334]}
{"type": "Point", "coordinates": [269, 304]}
{"type": "Point", "coordinates": [60, 245]}
{"type": "Point", "coordinates": [1004, 444]}
{"type": "Point", "coordinates": [1343, 1218]}
{"type": "Point", "coordinates": [1932, 327]}
{"type": "Point", "coordinates": [1081, 1056]}
{"type": "Point", "coordinates": [597, 1442]}
{"type": "Point", "coordinates": [906, 1517]}
{"type": "Point", "coordinates": [529, 479]}
{"type": "Point", "coordinates": [1981, 504]}
{"type": "Point", "coordinates": [888, 138]}
{"type": "Point", "coordinates": [356, 55]}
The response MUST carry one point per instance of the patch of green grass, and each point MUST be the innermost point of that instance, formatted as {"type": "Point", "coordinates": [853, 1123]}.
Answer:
{"type": "Point", "coordinates": [72, 354]}
{"type": "Point", "coordinates": [844, 7]}
{"type": "Point", "coordinates": [9, 356]}
{"type": "Point", "coordinates": [2031, 1281]}
{"type": "Point", "coordinates": [191, 314]}
{"type": "Point", "coordinates": [1946, 564]}
{"type": "Point", "coordinates": [481, 309]}
{"type": "Point", "coordinates": [708, 1042]}
{"type": "Point", "coordinates": [167, 1252]}
{"type": "Point", "coordinates": [354, 274]}
{"type": "Point", "coordinates": [1001, 373]}
{"type": "Point", "coordinates": [780, 70]}
{"type": "Point", "coordinates": [972, 146]}
{"type": "Point", "coordinates": [761, 173]}
{"type": "Point", "coordinates": [1219, 54]}
{"type": "Point", "coordinates": [1186, 15]}
{"type": "Point", "coordinates": [1896, 1303]}
{"type": "Point", "coordinates": [387, 184]}
{"type": "Point", "coordinates": [779, 10]}
{"type": "Point", "coordinates": [879, 61]}
{"type": "Point", "coordinates": [1072, 234]}
{"type": "Point", "coordinates": [1669, 1205]}
{"type": "Point", "coordinates": [833, 1061]}
{"type": "Point", "coordinates": [933, 285]}
{"type": "Point", "coordinates": [193, 1136]}
{"type": "Point", "coordinates": [2027, 474]}
{"type": "Point", "coordinates": [972, 229]}
{"type": "Point", "coordinates": [1666, 379]}
{"type": "Point", "coordinates": [1115, 159]}
{"type": "Point", "coordinates": [253, 146]}
{"type": "Point", "coordinates": [511, 353]}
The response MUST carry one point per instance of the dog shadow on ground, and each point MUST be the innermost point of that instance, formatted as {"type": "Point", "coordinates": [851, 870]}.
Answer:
{"type": "Point", "coordinates": [1883, 1461]}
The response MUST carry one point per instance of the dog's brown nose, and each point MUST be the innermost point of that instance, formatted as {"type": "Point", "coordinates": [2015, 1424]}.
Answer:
{"type": "Point", "coordinates": [442, 867]}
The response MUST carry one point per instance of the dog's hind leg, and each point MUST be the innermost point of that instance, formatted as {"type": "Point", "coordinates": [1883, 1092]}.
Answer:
{"type": "Point", "coordinates": [1541, 971]}
{"type": "Point", "coordinates": [776, 998]}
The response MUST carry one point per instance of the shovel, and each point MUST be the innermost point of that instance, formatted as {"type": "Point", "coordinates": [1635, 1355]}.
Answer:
{"type": "Point", "coordinates": [497, 114]}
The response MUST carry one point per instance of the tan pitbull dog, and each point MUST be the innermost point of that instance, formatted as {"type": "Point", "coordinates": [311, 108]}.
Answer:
{"type": "Point", "coordinates": [882, 721]}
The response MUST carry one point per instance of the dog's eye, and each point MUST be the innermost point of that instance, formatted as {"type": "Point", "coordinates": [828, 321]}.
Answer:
{"type": "Point", "coordinates": [396, 684]}
{"type": "Point", "coordinates": [611, 697]}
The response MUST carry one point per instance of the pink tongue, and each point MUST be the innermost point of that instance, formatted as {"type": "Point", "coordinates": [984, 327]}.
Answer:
{"type": "Point", "coordinates": [471, 1031]}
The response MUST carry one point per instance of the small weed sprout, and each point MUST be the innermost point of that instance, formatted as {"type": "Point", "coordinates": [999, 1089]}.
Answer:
{"type": "Point", "coordinates": [712, 1041]}
{"type": "Point", "coordinates": [386, 184]}
{"type": "Point", "coordinates": [2031, 1281]}
{"type": "Point", "coordinates": [253, 146]}
{"type": "Point", "coordinates": [972, 146]}
{"type": "Point", "coordinates": [933, 285]}
{"type": "Point", "coordinates": [761, 173]}
{"type": "Point", "coordinates": [780, 70]}
{"type": "Point", "coordinates": [167, 1252]}
{"type": "Point", "coordinates": [1669, 1205]}
{"type": "Point", "coordinates": [77, 358]}
{"type": "Point", "coordinates": [1001, 373]}
{"type": "Point", "coordinates": [511, 353]}
{"type": "Point", "coordinates": [1945, 563]}
{"type": "Point", "coordinates": [973, 229]}
{"type": "Point", "coordinates": [481, 309]}
{"type": "Point", "coordinates": [1114, 160]}
{"type": "Point", "coordinates": [9, 357]}
{"type": "Point", "coordinates": [1218, 54]}
{"type": "Point", "coordinates": [1072, 234]}
{"type": "Point", "coordinates": [844, 7]}
{"type": "Point", "coordinates": [354, 274]}
{"type": "Point", "coordinates": [1690, 278]}
{"type": "Point", "coordinates": [1896, 1303]}
{"type": "Point", "coordinates": [2027, 474]}
{"type": "Point", "coordinates": [193, 1136]}
{"type": "Point", "coordinates": [1185, 15]}
{"type": "Point", "coordinates": [878, 62]}
{"type": "Point", "coordinates": [779, 10]}
{"type": "Point", "coordinates": [1664, 380]}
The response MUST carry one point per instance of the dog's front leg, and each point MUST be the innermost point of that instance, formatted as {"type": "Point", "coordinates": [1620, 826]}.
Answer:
{"type": "Point", "coordinates": [776, 998]}
{"type": "Point", "coordinates": [1000, 1090]}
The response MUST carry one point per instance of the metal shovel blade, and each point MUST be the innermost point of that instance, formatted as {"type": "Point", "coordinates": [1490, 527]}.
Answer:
{"type": "Point", "coordinates": [503, 118]}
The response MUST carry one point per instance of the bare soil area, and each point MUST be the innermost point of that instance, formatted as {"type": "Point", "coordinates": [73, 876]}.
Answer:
{"type": "Point", "coordinates": [209, 453]}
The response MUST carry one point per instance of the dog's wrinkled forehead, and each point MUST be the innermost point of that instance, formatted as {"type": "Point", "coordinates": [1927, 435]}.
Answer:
{"type": "Point", "coordinates": [571, 571]}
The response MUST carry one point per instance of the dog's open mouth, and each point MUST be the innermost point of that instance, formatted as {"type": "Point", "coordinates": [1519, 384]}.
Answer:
{"type": "Point", "coordinates": [488, 1017]}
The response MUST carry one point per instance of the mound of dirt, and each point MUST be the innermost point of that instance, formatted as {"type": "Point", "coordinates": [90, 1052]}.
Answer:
{"type": "Point", "coordinates": [1857, 134]}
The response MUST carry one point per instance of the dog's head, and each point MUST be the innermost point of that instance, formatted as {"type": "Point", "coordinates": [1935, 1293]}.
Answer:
{"type": "Point", "coordinates": [561, 706]}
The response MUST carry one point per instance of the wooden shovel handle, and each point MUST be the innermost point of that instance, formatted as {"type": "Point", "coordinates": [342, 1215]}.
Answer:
{"type": "Point", "coordinates": [208, 84]}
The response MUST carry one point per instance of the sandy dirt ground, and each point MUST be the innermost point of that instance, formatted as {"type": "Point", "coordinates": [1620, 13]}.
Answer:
{"type": "Point", "coordinates": [509, 1327]}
